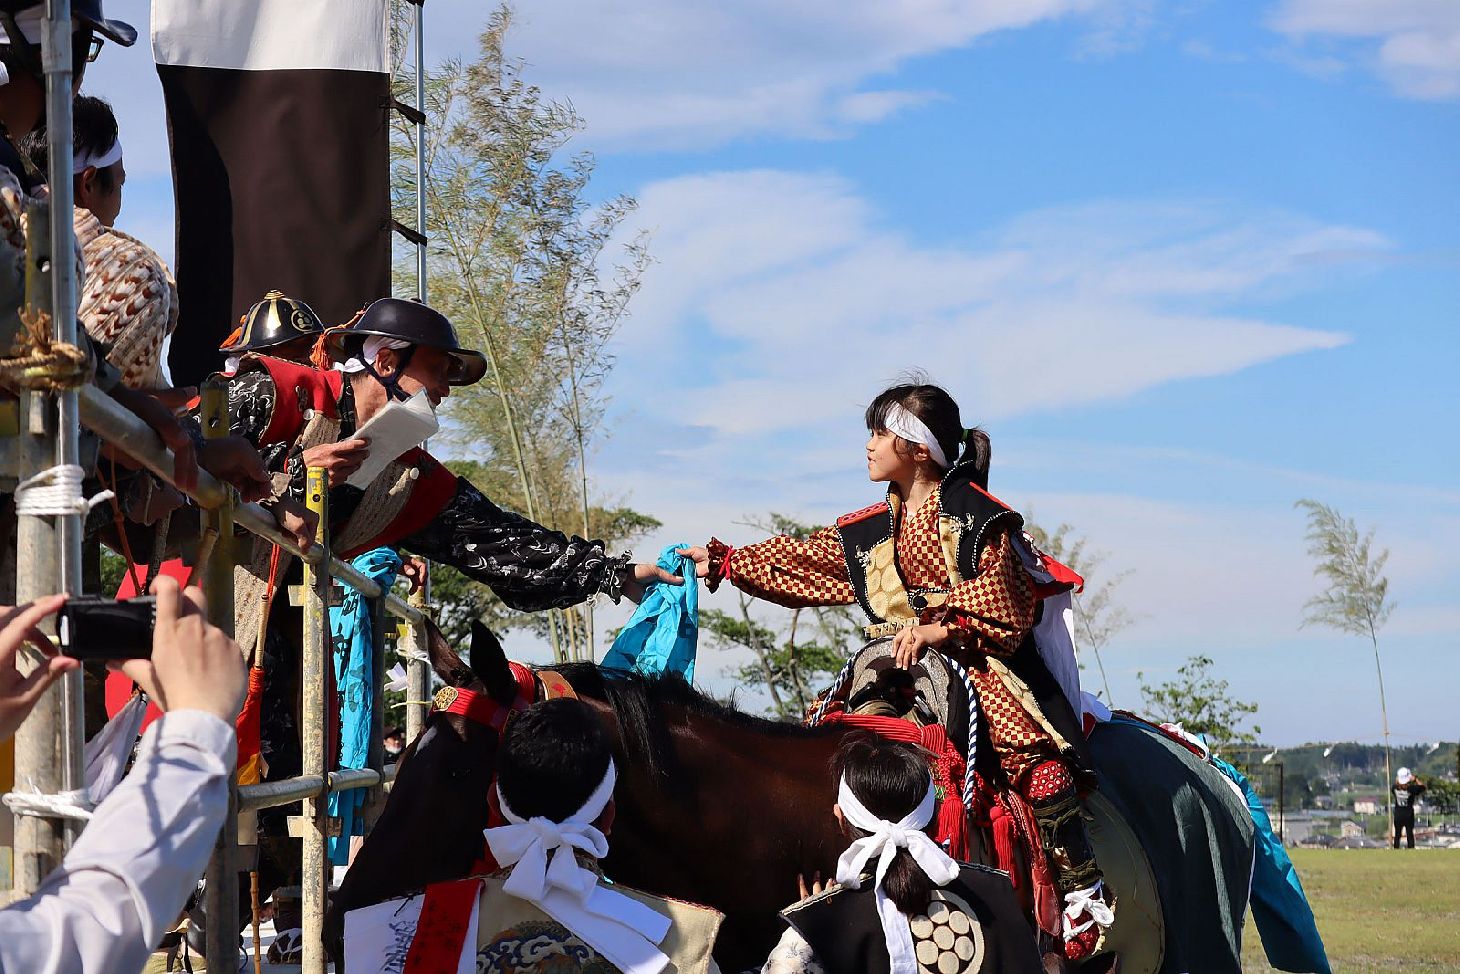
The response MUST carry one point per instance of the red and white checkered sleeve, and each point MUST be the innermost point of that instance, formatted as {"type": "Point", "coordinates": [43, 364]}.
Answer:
{"type": "Point", "coordinates": [995, 608]}
{"type": "Point", "coordinates": [793, 572]}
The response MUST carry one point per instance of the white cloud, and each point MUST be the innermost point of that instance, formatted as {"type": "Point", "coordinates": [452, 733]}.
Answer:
{"type": "Point", "coordinates": [660, 73]}
{"type": "Point", "coordinates": [1414, 45]}
{"type": "Point", "coordinates": [806, 298]}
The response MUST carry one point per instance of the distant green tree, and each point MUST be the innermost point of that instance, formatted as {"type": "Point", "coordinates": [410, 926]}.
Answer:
{"type": "Point", "coordinates": [1355, 599]}
{"type": "Point", "coordinates": [1202, 704]}
{"type": "Point", "coordinates": [1442, 795]}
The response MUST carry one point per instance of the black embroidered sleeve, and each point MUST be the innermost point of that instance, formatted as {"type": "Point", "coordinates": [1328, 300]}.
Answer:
{"type": "Point", "coordinates": [529, 566]}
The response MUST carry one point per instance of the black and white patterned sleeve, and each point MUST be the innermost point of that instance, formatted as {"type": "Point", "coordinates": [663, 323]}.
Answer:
{"type": "Point", "coordinates": [529, 566]}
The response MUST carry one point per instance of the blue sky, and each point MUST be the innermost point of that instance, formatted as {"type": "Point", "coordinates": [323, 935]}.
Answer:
{"type": "Point", "coordinates": [1187, 262]}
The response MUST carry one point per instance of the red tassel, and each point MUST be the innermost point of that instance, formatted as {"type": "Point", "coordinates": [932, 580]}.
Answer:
{"type": "Point", "coordinates": [233, 337]}
{"type": "Point", "coordinates": [1006, 841]}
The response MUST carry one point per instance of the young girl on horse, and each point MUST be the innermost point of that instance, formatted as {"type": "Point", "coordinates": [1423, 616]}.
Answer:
{"type": "Point", "coordinates": [899, 904]}
{"type": "Point", "coordinates": [941, 564]}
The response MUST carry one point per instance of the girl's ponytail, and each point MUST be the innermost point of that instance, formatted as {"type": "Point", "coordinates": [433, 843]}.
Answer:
{"type": "Point", "coordinates": [978, 449]}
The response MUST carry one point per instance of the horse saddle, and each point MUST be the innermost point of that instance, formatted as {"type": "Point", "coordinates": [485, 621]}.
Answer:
{"type": "Point", "coordinates": [933, 691]}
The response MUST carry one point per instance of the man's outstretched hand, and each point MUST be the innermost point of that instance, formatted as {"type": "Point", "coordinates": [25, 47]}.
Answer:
{"type": "Point", "coordinates": [643, 576]}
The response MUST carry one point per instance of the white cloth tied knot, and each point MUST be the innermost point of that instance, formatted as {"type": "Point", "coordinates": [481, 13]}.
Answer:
{"type": "Point", "coordinates": [883, 843]}
{"type": "Point", "coordinates": [546, 872]}
{"type": "Point", "coordinates": [1088, 902]}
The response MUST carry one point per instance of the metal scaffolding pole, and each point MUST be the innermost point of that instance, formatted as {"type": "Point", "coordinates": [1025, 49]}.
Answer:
{"type": "Point", "coordinates": [313, 823]}
{"type": "Point", "coordinates": [48, 548]}
{"type": "Point", "coordinates": [418, 673]}
{"type": "Point", "coordinates": [221, 888]}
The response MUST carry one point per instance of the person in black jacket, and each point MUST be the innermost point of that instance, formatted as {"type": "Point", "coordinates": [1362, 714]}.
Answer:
{"type": "Point", "coordinates": [1405, 792]}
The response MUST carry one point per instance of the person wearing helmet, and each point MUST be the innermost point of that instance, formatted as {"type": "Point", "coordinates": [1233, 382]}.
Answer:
{"type": "Point", "coordinates": [278, 326]}
{"type": "Point", "coordinates": [302, 416]}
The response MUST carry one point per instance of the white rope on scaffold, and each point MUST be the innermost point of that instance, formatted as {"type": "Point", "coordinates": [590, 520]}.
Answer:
{"type": "Point", "coordinates": [74, 805]}
{"type": "Point", "coordinates": [54, 492]}
{"type": "Point", "coordinates": [51, 493]}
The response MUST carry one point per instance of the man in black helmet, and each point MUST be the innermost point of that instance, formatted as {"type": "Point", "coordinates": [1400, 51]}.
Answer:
{"type": "Point", "coordinates": [301, 416]}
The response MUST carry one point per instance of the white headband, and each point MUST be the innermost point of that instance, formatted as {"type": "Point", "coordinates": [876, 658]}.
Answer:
{"type": "Point", "coordinates": [904, 424]}
{"type": "Point", "coordinates": [100, 160]}
{"type": "Point", "coordinates": [369, 354]}
{"type": "Point", "coordinates": [623, 930]}
{"type": "Point", "coordinates": [886, 838]}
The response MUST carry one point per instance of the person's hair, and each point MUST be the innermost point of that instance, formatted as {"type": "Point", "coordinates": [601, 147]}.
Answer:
{"type": "Point", "coordinates": [890, 779]}
{"type": "Point", "coordinates": [94, 132]}
{"type": "Point", "coordinates": [553, 756]}
{"type": "Point", "coordinates": [939, 413]}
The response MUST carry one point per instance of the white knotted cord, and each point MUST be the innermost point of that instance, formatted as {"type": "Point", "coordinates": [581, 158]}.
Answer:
{"type": "Point", "coordinates": [74, 805]}
{"type": "Point", "coordinates": [56, 491]}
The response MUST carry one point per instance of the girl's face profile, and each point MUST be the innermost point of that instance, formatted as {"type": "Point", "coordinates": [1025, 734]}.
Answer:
{"type": "Point", "coordinates": [886, 459]}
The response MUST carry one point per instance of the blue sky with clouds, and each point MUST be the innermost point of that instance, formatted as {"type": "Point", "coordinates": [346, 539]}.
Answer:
{"type": "Point", "coordinates": [1187, 262]}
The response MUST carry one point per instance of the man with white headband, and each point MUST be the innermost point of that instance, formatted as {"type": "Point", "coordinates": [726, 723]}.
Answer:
{"type": "Point", "coordinates": [127, 301]}
{"type": "Point", "coordinates": [549, 908]}
{"type": "Point", "coordinates": [900, 905]}
{"type": "Point", "coordinates": [22, 111]}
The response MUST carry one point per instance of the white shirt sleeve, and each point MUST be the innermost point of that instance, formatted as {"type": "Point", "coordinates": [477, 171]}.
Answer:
{"type": "Point", "coordinates": [129, 874]}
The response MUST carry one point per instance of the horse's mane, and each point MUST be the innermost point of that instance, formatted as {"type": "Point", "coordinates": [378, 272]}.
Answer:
{"type": "Point", "coordinates": [639, 703]}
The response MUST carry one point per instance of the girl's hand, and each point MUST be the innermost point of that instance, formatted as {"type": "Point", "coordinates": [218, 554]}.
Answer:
{"type": "Point", "coordinates": [909, 644]}
{"type": "Point", "coordinates": [700, 555]}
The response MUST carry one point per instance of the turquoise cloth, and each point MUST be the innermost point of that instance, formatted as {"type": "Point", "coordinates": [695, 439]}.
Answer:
{"type": "Point", "coordinates": [662, 635]}
{"type": "Point", "coordinates": [1279, 905]}
{"type": "Point", "coordinates": [352, 634]}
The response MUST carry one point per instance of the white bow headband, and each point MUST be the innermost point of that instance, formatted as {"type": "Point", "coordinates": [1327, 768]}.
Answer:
{"type": "Point", "coordinates": [885, 839]}
{"type": "Point", "coordinates": [546, 872]}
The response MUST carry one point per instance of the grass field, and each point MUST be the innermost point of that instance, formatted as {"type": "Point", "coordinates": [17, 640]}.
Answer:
{"type": "Point", "coordinates": [1379, 909]}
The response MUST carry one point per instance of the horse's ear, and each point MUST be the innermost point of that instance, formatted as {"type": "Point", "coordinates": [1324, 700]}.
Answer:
{"type": "Point", "coordinates": [489, 663]}
{"type": "Point", "coordinates": [448, 665]}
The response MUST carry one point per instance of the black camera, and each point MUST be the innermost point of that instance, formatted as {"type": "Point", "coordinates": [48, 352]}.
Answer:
{"type": "Point", "coordinates": [96, 627]}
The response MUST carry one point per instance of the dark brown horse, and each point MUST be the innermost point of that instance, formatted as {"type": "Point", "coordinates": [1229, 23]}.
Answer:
{"type": "Point", "coordinates": [722, 808]}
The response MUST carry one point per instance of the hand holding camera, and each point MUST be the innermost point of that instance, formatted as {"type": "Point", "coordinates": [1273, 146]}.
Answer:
{"type": "Point", "coordinates": [192, 664]}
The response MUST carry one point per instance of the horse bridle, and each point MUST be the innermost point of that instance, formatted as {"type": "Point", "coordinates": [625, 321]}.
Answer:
{"type": "Point", "coordinates": [487, 710]}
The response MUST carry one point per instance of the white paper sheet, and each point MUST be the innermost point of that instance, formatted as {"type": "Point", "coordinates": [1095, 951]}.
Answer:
{"type": "Point", "coordinates": [378, 937]}
{"type": "Point", "coordinates": [393, 431]}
